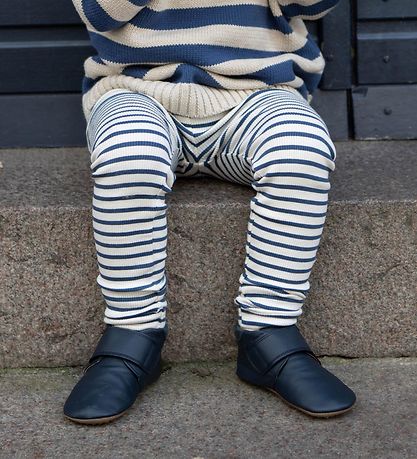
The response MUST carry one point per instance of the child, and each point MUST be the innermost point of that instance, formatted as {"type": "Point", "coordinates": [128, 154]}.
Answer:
{"type": "Point", "coordinates": [205, 88]}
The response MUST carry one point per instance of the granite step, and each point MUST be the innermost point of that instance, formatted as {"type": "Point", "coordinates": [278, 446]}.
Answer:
{"type": "Point", "coordinates": [202, 410]}
{"type": "Point", "coordinates": [363, 296]}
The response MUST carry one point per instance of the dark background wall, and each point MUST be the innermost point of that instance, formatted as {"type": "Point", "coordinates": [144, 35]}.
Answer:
{"type": "Point", "coordinates": [368, 90]}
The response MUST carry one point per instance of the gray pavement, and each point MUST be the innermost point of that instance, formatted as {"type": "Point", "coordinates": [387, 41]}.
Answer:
{"type": "Point", "coordinates": [202, 410]}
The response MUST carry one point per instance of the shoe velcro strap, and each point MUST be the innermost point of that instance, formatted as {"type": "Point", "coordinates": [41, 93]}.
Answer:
{"type": "Point", "coordinates": [141, 348]}
{"type": "Point", "coordinates": [275, 344]}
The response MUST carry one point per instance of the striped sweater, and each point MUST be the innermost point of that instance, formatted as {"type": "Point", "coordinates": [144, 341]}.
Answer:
{"type": "Point", "coordinates": [200, 57]}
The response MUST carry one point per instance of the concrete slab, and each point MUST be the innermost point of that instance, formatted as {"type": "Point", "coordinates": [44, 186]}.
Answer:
{"type": "Point", "coordinates": [202, 410]}
{"type": "Point", "coordinates": [363, 299]}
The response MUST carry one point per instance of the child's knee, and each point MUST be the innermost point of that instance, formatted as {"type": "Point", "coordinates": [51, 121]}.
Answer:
{"type": "Point", "coordinates": [142, 171]}
{"type": "Point", "coordinates": [135, 155]}
{"type": "Point", "coordinates": [307, 154]}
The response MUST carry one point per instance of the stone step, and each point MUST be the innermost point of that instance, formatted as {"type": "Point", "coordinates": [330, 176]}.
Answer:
{"type": "Point", "coordinates": [202, 410]}
{"type": "Point", "coordinates": [363, 293]}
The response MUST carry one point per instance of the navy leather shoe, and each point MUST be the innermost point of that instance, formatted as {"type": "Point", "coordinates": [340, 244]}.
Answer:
{"type": "Point", "coordinates": [280, 360]}
{"type": "Point", "coordinates": [123, 364]}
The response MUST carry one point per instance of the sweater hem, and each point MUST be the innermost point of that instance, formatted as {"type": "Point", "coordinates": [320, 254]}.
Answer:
{"type": "Point", "coordinates": [190, 100]}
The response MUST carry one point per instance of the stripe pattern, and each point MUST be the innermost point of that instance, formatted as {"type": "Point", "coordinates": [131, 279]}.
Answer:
{"type": "Point", "coordinates": [273, 141]}
{"type": "Point", "coordinates": [199, 58]}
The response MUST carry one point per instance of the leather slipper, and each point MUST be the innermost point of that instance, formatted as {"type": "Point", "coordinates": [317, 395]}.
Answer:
{"type": "Point", "coordinates": [122, 365]}
{"type": "Point", "coordinates": [280, 360]}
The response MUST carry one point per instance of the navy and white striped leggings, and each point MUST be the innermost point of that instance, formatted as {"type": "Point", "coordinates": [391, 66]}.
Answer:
{"type": "Point", "coordinates": [273, 140]}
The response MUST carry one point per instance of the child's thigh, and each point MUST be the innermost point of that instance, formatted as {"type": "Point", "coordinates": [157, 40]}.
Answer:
{"type": "Point", "coordinates": [123, 121]}
{"type": "Point", "coordinates": [131, 140]}
{"type": "Point", "coordinates": [275, 130]}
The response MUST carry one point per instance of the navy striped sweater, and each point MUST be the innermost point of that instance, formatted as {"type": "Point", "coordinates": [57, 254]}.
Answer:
{"type": "Point", "coordinates": [200, 57]}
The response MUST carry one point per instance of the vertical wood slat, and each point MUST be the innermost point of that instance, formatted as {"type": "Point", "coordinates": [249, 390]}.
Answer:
{"type": "Point", "coordinates": [336, 45]}
{"type": "Point", "coordinates": [332, 107]}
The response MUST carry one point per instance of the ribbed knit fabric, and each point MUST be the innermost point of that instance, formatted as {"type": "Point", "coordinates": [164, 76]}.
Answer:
{"type": "Point", "coordinates": [200, 57]}
{"type": "Point", "coordinates": [273, 141]}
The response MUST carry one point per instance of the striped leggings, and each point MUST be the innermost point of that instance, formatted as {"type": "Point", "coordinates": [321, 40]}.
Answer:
{"type": "Point", "coordinates": [273, 140]}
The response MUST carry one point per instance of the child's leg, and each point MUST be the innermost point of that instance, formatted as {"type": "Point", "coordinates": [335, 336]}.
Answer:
{"type": "Point", "coordinates": [281, 146]}
{"type": "Point", "coordinates": [134, 150]}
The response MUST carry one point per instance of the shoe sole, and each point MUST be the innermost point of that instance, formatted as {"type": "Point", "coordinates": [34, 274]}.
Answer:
{"type": "Point", "coordinates": [313, 414]}
{"type": "Point", "coordinates": [328, 414]}
{"type": "Point", "coordinates": [96, 421]}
